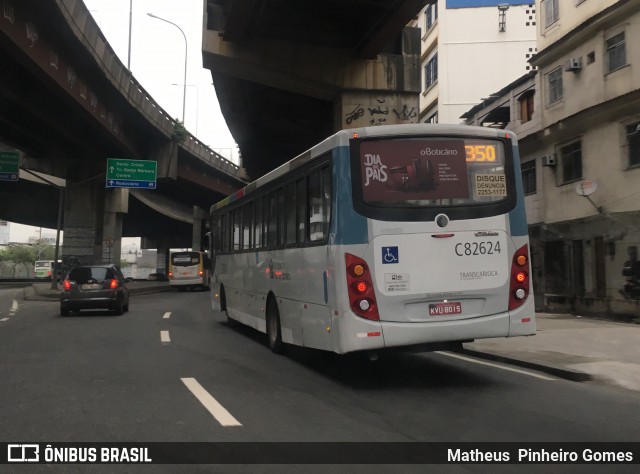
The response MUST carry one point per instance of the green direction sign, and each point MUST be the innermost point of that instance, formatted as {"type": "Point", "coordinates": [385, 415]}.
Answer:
{"type": "Point", "coordinates": [125, 173]}
{"type": "Point", "coordinates": [9, 165]}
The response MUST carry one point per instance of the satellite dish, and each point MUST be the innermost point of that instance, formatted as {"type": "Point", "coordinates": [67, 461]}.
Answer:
{"type": "Point", "coordinates": [586, 188]}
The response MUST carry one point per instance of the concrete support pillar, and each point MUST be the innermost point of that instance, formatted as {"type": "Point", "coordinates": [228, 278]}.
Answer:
{"type": "Point", "coordinates": [83, 223]}
{"type": "Point", "coordinates": [199, 218]}
{"type": "Point", "coordinates": [162, 260]}
{"type": "Point", "coordinates": [92, 223]}
{"type": "Point", "coordinates": [116, 203]}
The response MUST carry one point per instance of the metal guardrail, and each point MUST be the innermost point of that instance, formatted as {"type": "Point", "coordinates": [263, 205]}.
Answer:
{"type": "Point", "coordinates": [88, 33]}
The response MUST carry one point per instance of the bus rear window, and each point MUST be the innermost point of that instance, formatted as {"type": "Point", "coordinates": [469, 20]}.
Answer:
{"type": "Point", "coordinates": [185, 259]}
{"type": "Point", "coordinates": [418, 172]}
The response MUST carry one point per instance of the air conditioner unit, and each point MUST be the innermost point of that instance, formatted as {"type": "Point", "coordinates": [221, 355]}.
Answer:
{"type": "Point", "coordinates": [573, 64]}
{"type": "Point", "coordinates": [549, 160]}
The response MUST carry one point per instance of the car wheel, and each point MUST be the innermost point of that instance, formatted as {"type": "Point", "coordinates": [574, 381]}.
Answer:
{"type": "Point", "coordinates": [274, 333]}
{"type": "Point", "coordinates": [64, 311]}
{"type": "Point", "coordinates": [119, 308]}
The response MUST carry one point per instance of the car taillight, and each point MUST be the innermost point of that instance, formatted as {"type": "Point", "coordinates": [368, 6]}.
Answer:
{"type": "Point", "coordinates": [170, 274]}
{"type": "Point", "coordinates": [519, 282]}
{"type": "Point", "coordinates": [66, 285]}
{"type": "Point", "coordinates": [113, 284]}
{"type": "Point", "coordinates": [362, 298]}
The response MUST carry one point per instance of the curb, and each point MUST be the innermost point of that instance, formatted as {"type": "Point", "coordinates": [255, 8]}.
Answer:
{"type": "Point", "coordinates": [573, 375]}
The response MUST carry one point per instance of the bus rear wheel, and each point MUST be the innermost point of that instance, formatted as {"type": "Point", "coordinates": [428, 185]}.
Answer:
{"type": "Point", "coordinates": [274, 333]}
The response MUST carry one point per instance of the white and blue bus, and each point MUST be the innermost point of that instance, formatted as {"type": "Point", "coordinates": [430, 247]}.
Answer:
{"type": "Point", "coordinates": [401, 236]}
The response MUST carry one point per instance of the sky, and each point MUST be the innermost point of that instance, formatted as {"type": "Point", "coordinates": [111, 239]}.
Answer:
{"type": "Point", "coordinates": [157, 62]}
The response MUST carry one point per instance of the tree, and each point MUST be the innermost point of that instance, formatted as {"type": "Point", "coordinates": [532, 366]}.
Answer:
{"type": "Point", "coordinates": [19, 255]}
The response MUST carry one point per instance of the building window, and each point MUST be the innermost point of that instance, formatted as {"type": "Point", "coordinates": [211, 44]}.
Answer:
{"type": "Point", "coordinates": [431, 14]}
{"type": "Point", "coordinates": [571, 156]}
{"type": "Point", "coordinates": [431, 72]}
{"type": "Point", "coordinates": [529, 177]}
{"type": "Point", "coordinates": [432, 117]}
{"type": "Point", "coordinates": [526, 106]}
{"type": "Point", "coordinates": [633, 141]}
{"type": "Point", "coordinates": [616, 52]}
{"type": "Point", "coordinates": [551, 14]}
{"type": "Point", "coordinates": [555, 85]}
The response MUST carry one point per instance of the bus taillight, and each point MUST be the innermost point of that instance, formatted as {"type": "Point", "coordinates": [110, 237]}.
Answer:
{"type": "Point", "coordinates": [519, 283]}
{"type": "Point", "coordinates": [362, 298]}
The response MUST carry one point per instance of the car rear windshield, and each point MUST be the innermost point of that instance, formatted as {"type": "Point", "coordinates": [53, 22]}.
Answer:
{"type": "Point", "coordinates": [84, 274]}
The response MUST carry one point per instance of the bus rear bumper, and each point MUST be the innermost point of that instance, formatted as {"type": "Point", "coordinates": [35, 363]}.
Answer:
{"type": "Point", "coordinates": [361, 334]}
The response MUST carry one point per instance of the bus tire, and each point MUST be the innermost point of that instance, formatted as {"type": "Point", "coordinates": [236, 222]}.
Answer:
{"type": "Point", "coordinates": [274, 331]}
{"type": "Point", "coordinates": [223, 308]}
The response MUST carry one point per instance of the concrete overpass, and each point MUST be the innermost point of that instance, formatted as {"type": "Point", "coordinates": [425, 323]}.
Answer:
{"type": "Point", "coordinates": [288, 73]}
{"type": "Point", "coordinates": [68, 103]}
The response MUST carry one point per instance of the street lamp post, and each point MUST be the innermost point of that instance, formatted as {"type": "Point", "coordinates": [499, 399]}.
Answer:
{"type": "Point", "coordinates": [184, 89]}
{"type": "Point", "coordinates": [197, 101]}
{"type": "Point", "coordinates": [130, 21]}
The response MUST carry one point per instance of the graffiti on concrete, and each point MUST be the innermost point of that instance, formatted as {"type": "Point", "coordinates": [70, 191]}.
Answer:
{"type": "Point", "coordinates": [355, 114]}
{"type": "Point", "coordinates": [407, 113]}
{"type": "Point", "coordinates": [377, 112]}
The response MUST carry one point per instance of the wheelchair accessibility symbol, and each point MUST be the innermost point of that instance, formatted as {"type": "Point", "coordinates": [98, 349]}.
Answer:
{"type": "Point", "coordinates": [390, 255]}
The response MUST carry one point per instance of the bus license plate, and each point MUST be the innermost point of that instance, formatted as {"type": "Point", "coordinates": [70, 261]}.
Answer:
{"type": "Point", "coordinates": [444, 309]}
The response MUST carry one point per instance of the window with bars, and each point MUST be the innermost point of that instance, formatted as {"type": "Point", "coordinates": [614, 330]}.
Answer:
{"type": "Point", "coordinates": [528, 169]}
{"type": "Point", "coordinates": [616, 52]}
{"type": "Point", "coordinates": [431, 15]}
{"type": "Point", "coordinates": [432, 117]}
{"type": "Point", "coordinates": [526, 106]}
{"type": "Point", "coordinates": [551, 12]}
{"type": "Point", "coordinates": [633, 143]}
{"type": "Point", "coordinates": [571, 156]}
{"type": "Point", "coordinates": [554, 79]}
{"type": "Point", "coordinates": [431, 72]}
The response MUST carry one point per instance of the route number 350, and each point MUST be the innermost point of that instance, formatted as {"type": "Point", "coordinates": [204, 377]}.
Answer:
{"type": "Point", "coordinates": [480, 152]}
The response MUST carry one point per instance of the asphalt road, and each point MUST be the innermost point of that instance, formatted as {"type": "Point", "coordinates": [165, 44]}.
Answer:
{"type": "Point", "coordinates": [142, 376]}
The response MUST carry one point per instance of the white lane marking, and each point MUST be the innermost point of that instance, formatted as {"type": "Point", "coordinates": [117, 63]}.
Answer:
{"type": "Point", "coordinates": [476, 361]}
{"type": "Point", "coordinates": [14, 305]}
{"type": "Point", "coordinates": [4, 319]}
{"type": "Point", "coordinates": [167, 315]}
{"type": "Point", "coordinates": [219, 412]}
{"type": "Point", "coordinates": [164, 336]}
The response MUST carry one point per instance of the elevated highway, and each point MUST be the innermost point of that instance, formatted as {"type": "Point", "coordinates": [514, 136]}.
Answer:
{"type": "Point", "coordinates": [288, 73]}
{"type": "Point", "coordinates": [68, 103]}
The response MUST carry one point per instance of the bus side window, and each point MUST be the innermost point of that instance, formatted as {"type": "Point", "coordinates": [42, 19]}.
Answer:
{"type": "Point", "coordinates": [290, 192]}
{"type": "Point", "coordinates": [272, 237]}
{"type": "Point", "coordinates": [319, 198]}
{"type": "Point", "coordinates": [247, 216]}
{"type": "Point", "coordinates": [235, 218]}
{"type": "Point", "coordinates": [301, 213]}
{"type": "Point", "coordinates": [282, 217]}
{"type": "Point", "coordinates": [257, 224]}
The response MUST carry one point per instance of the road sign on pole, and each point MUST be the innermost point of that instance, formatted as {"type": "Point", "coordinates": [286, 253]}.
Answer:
{"type": "Point", "coordinates": [9, 165]}
{"type": "Point", "coordinates": [125, 173]}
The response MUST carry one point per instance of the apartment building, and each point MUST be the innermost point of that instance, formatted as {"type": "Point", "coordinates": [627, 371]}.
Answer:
{"type": "Point", "coordinates": [470, 48]}
{"type": "Point", "coordinates": [578, 120]}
